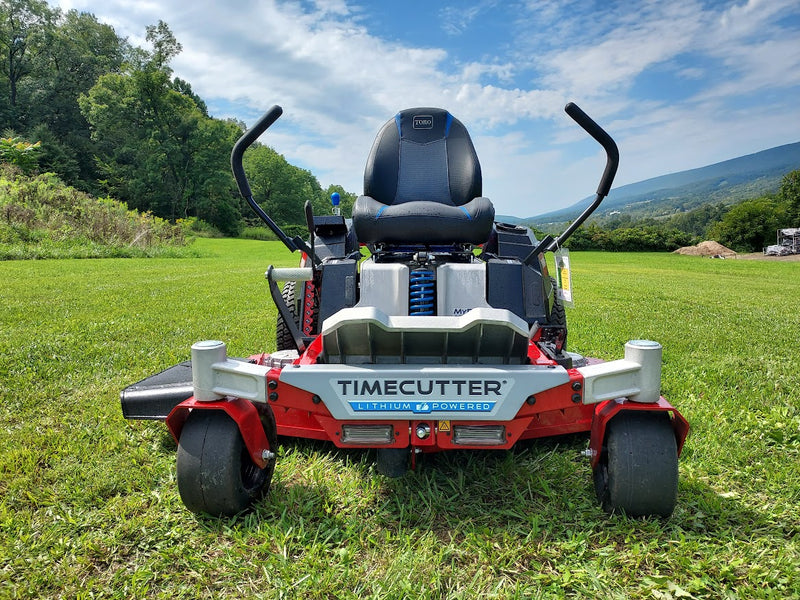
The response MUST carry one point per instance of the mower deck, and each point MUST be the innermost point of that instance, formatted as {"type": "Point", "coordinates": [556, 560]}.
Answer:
{"type": "Point", "coordinates": [426, 407]}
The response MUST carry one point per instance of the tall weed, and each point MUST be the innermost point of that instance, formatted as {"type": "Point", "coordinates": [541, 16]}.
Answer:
{"type": "Point", "coordinates": [40, 217]}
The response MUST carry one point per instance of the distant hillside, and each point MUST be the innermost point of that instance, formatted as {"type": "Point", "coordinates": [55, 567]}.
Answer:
{"type": "Point", "coordinates": [726, 182]}
{"type": "Point", "coordinates": [508, 219]}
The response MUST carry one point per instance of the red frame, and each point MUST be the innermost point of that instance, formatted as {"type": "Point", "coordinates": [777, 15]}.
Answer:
{"type": "Point", "coordinates": [243, 412]}
{"type": "Point", "coordinates": [299, 413]}
{"type": "Point", "coordinates": [606, 411]}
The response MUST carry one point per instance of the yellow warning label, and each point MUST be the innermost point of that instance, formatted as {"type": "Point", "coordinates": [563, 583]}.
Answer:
{"type": "Point", "coordinates": [565, 279]}
{"type": "Point", "coordinates": [444, 425]}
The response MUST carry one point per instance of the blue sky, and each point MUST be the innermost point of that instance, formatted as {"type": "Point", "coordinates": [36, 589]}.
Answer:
{"type": "Point", "coordinates": [678, 84]}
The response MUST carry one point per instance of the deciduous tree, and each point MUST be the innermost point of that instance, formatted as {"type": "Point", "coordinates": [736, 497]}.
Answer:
{"type": "Point", "coordinates": [156, 149]}
{"type": "Point", "coordinates": [750, 225]}
{"type": "Point", "coordinates": [282, 188]}
{"type": "Point", "coordinates": [790, 193]}
{"type": "Point", "coordinates": [26, 27]}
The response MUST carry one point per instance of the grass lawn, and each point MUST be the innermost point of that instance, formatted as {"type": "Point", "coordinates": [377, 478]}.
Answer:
{"type": "Point", "coordinates": [89, 505]}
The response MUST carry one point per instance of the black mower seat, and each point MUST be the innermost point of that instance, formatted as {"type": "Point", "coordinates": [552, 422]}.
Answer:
{"type": "Point", "coordinates": [422, 184]}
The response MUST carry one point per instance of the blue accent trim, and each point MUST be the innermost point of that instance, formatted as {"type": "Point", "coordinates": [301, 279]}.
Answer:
{"type": "Point", "coordinates": [421, 407]}
{"type": "Point", "coordinates": [397, 121]}
{"type": "Point", "coordinates": [380, 210]}
{"type": "Point", "coordinates": [465, 212]}
{"type": "Point", "coordinates": [447, 124]}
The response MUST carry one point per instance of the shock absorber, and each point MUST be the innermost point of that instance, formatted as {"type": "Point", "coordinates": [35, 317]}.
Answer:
{"type": "Point", "coordinates": [422, 292]}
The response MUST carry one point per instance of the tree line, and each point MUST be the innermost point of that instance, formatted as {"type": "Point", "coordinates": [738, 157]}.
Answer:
{"type": "Point", "coordinates": [110, 119]}
{"type": "Point", "coordinates": [746, 226]}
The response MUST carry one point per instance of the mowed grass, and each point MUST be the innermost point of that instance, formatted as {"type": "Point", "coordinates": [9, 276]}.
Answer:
{"type": "Point", "coordinates": [89, 506]}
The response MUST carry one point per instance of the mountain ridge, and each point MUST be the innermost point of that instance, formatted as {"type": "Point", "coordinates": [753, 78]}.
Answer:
{"type": "Point", "coordinates": [728, 181]}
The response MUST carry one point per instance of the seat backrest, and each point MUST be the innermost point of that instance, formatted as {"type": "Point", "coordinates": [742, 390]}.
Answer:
{"type": "Point", "coordinates": [423, 154]}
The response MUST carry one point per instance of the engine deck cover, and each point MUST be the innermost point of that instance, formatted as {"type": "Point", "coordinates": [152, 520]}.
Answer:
{"type": "Point", "coordinates": [367, 335]}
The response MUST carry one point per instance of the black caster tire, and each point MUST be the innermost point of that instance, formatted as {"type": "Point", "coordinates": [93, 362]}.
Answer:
{"type": "Point", "coordinates": [393, 462]}
{"type": "Point", "coordinates": [638, 469]}
{"type": "Point", "coordinates": [215, 473]}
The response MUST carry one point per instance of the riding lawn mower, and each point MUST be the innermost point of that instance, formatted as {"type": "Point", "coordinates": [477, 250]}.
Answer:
{"type": "Point", "coordinates": [420, 325]}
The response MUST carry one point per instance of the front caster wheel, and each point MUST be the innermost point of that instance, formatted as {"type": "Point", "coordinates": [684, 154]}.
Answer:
{"type": "Point", "coordinates": [638, 469]}
{"type": "Point", "coordinates": [216, 475]}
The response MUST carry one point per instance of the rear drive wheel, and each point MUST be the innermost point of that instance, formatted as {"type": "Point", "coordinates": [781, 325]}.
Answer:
{"type": "Point", "coordinates": [557, 315]}
{"type": "Point", "coordinates": [292, 296]}
{"type": "Point", "coordinates": [638, 469]}
{"type": "Point", "coordinates": [283, 337]}
{"type": "Point", "coordinates": [393, 462]}
{"type": "Point", "coordinates": [215, 472]}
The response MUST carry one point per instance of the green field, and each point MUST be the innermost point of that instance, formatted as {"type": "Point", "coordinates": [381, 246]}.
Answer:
{"type": "Point", "coordinates": [89, 506]}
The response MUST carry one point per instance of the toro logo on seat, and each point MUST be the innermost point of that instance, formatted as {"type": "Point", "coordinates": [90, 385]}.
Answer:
{"type": "Point", "coordinates": [422, 122]}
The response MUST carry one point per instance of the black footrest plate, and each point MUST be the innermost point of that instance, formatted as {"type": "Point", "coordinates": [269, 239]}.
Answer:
{"type": "Point", "coordinates": [154, 397]}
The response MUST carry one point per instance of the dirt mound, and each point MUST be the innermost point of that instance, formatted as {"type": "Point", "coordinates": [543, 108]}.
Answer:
{"type": "Point", "coordinates": [708, 248]}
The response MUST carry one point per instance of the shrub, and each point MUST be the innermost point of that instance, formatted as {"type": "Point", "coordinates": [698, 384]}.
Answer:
{"type": "Point", "coordinates": [647, 238]}
{"type": "Point", "coordinates": [258, 233]}
{"type": "Point", "coordinates": [750, 225]}
{"type": "Point", "coordinates": [192, 226]}
{"type": "Point", "coordinates": [19, 153]}
{"type": "Point", "coordinates": [41, 211]}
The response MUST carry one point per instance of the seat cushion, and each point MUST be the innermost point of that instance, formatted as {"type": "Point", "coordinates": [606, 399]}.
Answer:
{"type": "Point", "coordinates": [422, 222]}
{"type": "Point", "coordinates": [422, 184]}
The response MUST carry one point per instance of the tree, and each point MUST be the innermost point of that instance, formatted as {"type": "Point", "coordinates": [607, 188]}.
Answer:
{"type": "Point", "coordinates": [185, 88]}
{"type": "Point", "coordinates": [165, 46]}
{"type": "Point", "coordinates": [790, 193]}
{"type": "Point", "coordinates": [142, 129]}
{"type": "Point", "coordinates": [282, 188]}
{"type": "Point", "coordinates": [697, 221]}
{"type": "Point", "coordinates": [156, 149]}
{"type": "Point", "coordinates": [750, 225]}
{"type": "Point", "coordinates": [210, 184]}
{"type": "Point", "coordinates": [59, 157]}
{"type": "Point", "coordinates": [81, 50]}
{"type": "Point", "coordinates": [25, 29]}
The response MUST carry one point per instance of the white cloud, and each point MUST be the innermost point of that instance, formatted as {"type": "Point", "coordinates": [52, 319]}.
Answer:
{"type": "Point", "coordinates": [332, 7]}
{"type": "Point", "coordinates": [338, 82]}
{"type": "Point", "coordinates": [750, 18]}
{"type": "Point", "coordinates": [456, 19]}
{"type": "Point", "coordinates": [610, 62]}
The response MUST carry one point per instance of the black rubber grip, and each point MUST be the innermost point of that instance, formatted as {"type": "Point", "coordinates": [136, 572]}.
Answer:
{"type": "Point", "coordinates": [250, 136]}
{"type": "Point", "coordinates": [605, 140]}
